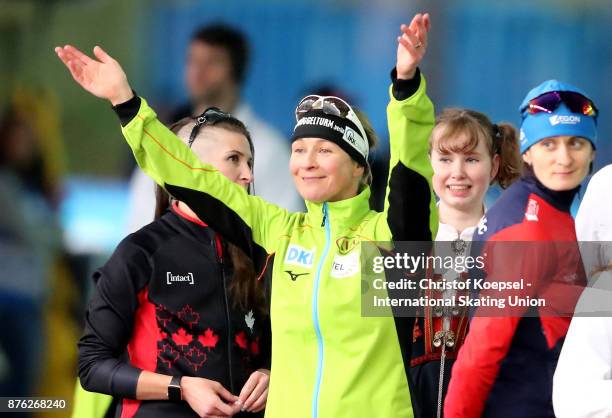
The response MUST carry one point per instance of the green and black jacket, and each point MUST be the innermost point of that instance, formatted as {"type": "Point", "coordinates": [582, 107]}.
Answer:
{"type": "Point", "coordinates": [327, 360]}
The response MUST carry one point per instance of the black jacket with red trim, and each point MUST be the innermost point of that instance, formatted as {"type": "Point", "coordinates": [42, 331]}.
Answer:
{"type": "Point", "coordinates": [162, 304]}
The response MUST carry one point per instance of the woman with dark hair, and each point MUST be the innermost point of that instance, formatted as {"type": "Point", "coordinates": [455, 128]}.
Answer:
{"type": "Point", "coordinates": [178, 314]}
{"type": "Point", "coordinates": [506, 365]}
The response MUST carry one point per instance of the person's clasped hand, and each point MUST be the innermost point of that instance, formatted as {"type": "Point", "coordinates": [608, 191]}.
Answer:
{"type": "Point", "coordinates": [208, 398]}
{"type": "Point", "coordinates": [254, 393]}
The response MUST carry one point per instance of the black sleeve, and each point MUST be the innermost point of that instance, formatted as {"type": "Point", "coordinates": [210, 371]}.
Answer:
{"type": "Point", "coordinates": [266, 345]}
{"type": "Point", "coordinates": [409, 194]}
{"type": "Point", "coordinates": [226, 222]}
{"type": "Point", "coordinates": [403, 89]}
{"type": "Point", "coordinates": [128, 110]}
{"type": "Point", "coordinates": [109, 323]}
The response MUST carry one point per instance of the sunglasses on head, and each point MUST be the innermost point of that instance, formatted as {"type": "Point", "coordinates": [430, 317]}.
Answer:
{"type": "Point", "coordinates": [210, 116]}
{"type": "Point", "coordinates": [549, 102]}
{"type": "Point", "coordinates": [330, 105]}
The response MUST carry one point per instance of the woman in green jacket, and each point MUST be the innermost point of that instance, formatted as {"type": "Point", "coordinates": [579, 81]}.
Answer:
{"type": "Point", "coordinates": [328, 360]}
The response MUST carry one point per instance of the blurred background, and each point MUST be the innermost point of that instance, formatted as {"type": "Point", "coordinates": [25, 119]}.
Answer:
{"type": "Point", "coordinates": [65, 171]}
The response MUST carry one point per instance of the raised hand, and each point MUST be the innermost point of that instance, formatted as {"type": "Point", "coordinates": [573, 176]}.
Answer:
{"type": "Point", "coordinates": [412, 45]}
{"type": "Point", "coordinates": [103, 78]}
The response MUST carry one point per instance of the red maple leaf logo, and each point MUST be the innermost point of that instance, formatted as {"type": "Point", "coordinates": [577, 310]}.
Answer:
{"type": "Point", "coordinates": [189, 316]}
{"type": "Point", "coordinates": [241, 340]}
{"type": "Point", "coordinates": [168, 355]}
{"type": "Point", "coordinates": [209, 339]}
{"type": "Point", "coordinates": [182, 337]}
{"type": "Point", "coordinates": [195, 357]}
{"type": "Point", "coordinates": [255, 346]}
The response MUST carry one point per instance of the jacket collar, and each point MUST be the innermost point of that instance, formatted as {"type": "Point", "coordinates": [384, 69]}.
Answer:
{"type": "Point", "coordinates": [189, 225]}
{"type": "Point", "coordinates": [176, 209]}
{"type": "Point", "coordinates": [560, 200]}
{"type": "Point", "coordinates": [340, 212]}
{"type": "Point", "coordinates": [447, 232]}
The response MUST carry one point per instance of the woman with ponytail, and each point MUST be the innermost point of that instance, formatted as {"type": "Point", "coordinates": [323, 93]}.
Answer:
{"type": "Point", "coordinates": [468, 154]}
{"type": "Point", "coordinates": [177, 325]}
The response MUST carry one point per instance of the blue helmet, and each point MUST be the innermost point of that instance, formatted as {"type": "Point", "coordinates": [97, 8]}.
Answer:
{"type": "Point", "coordinates": [559, 119]}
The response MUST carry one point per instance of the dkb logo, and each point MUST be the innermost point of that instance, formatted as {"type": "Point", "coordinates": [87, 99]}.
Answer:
{"type": "Point", "coordinates": [299, 256]}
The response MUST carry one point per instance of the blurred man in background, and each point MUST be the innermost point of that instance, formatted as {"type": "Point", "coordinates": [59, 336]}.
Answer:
{"type": "Point", "coordinates": [215, 70]}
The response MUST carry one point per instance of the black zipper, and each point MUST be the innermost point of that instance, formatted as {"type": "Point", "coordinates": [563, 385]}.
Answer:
{"type": "Point", "coordinates": [324, 216]}
{"type": "Point", "coordinates": [227, 318]}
